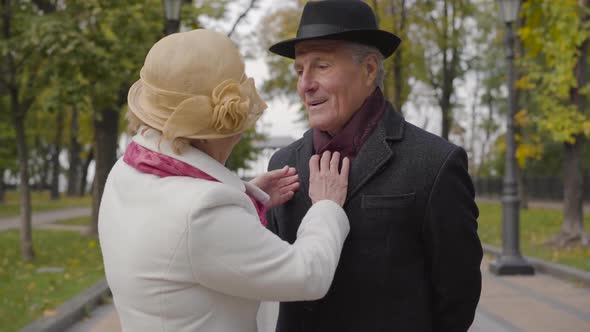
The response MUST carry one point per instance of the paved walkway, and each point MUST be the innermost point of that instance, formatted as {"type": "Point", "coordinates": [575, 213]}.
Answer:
{"type": "Point", "coordinates": [508, 304]}
{"type": "Point", "coordinates": [45, 218]}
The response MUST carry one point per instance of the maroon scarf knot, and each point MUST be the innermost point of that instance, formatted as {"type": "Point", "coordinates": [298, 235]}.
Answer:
{"type": "Point", "coordinates": [351, 138]}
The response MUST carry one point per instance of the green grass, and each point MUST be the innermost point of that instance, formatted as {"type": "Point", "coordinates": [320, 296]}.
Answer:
{"type": "Point", "coordinates": [25, 294]}
{"type": "Point", "coordinates": [536, 227]}
{"type": "Point", "coordinates": [41, 202]}
{"type": "Point", "coordinates": [80, 221]}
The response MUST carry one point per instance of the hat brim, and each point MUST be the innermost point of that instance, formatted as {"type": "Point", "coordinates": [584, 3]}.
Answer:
{"type": "Point", "coordinates": [386, 42]}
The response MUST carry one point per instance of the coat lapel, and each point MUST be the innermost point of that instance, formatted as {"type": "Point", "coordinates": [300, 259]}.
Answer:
{"type": "Point", "coordinates": [376, 151]}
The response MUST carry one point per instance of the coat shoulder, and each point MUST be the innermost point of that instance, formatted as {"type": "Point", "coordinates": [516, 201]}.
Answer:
{"type": "Point", "coordinates": [285, 156]}
{"type": "Point", "coordinates": [426, 143]}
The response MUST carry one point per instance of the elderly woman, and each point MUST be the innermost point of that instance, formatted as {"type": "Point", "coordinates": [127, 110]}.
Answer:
{"type": "Point", "coordinates": [183, 238]}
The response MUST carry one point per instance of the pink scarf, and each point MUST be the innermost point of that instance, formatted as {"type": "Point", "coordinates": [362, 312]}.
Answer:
{"type": "Point", "coordinates": [151, 162]}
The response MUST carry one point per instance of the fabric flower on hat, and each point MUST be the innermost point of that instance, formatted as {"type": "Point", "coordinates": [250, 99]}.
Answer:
{"type": "Point", "coordinates": [231, 107]}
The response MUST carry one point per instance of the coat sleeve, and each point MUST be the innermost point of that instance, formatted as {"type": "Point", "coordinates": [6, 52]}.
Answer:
{"type": "Point", "coordinates": [453, 247]}
{"type": "Point", "coordinates": [231, 252]}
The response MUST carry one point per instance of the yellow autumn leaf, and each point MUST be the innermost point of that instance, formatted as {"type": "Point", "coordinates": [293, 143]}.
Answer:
{"type": "Point", "coordinates": [521, 118]}
{"type": "Point", "coordinates": [92, 244]}
{"type": "Point", "coordinates": [524, 83]}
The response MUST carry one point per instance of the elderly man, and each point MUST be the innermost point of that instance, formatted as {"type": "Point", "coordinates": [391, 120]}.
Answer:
{"type": "Point", "coordinates": [412, 259]}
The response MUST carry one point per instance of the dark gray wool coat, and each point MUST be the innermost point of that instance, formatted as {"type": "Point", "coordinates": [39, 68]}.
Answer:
{"type": "Point", "coordinates": [411, 262]}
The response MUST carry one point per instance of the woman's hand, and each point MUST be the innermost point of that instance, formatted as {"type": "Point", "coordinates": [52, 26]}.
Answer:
{"type": "Point", "coordinates": [325, 182]}
{"type": "Point", "coordinates": [279, 184]}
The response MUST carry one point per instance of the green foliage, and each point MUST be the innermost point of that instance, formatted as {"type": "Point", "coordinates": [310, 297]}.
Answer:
{"type": "Point", "coordinates": [26, 294]}
{"type": "Point", "coordinates": [552, 35]}
{"type": "Point", "coordinates": [276, 26]}
{"type": "Point", "coordinates": [85, 54]}
{"type": "Point", "coordinates": [244, 151]}
{"type": "Point", "coordinates": [536, 226]}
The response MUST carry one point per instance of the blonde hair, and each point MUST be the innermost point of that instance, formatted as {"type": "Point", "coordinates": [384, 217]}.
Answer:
{"type": "Point", "coordinates": [179, 144]}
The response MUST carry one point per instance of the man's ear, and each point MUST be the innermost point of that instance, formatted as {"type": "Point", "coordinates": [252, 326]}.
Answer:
{"type": "Point", "coordinates": [371, 67]}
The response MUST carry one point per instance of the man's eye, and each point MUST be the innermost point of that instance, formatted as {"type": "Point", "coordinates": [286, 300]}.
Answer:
{"type": "Point", "coordinates": [323, 66]}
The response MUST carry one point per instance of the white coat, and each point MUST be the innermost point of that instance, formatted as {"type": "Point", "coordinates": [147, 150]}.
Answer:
{"type": "Point", "coordinates": [185, 254]}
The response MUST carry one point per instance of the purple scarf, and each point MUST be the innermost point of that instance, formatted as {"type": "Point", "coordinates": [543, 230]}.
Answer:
{"type": "Point", "coordinates": [351, 138]}
{"type": "Point", "coordinates": [151, 162]}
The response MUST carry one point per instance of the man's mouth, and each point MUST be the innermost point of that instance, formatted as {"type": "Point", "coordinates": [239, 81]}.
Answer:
{"type": "Point", "coordinates": [316, 103]}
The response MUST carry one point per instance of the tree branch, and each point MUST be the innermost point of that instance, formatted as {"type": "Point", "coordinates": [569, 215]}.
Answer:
{"type": "Point", "coordinates": [241, 17]}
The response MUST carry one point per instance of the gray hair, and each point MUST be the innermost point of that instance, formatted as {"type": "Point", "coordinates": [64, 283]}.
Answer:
{"type": "Point", "coordinates": [361, 51]}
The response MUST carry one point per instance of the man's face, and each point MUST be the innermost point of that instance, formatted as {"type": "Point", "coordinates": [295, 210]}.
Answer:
{"type": "Point", "coordinates": [331, 85]}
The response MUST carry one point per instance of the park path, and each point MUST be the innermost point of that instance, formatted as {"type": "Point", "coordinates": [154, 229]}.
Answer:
{"type": "Point", "coordinates": [45, 217]}
{"type": "Point", "coordinates": [539, 303]}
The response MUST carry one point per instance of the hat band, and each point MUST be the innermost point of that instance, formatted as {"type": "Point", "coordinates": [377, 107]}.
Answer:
{"type": "Point", "coordinates": [317, 30]}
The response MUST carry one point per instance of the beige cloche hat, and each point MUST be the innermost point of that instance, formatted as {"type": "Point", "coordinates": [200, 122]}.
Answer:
{"type": "Point", "coordinates": [193, 85]}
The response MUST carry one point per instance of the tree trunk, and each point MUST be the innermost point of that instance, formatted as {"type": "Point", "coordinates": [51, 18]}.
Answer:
{"type": "Point", "coordinates": [487, 128]}
{"type": "Point", "coordinates": [74, 155]}
{"type": "Point", "coordinates": [106, 125]}
{"type": "Point", "coordinates": [87, 162]}
{"type": "Point", "coordinates": [55, 166]}
{"type": "Point", "coordinates": [449, 70]}
{"type": "Point", "coordinates": [26, 233]}
{"type": "Point", "coordinates": [447, 117]}
{"type": "Point", "coordinates": [2, 187]}
{"type": "Point", "coordinates": [572, 228]}
{"type": "Point", "coordinates": [18, 119]}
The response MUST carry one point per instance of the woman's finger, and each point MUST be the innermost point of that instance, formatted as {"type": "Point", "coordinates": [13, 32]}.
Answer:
{"type": "Point", "coordinates": [285, 181]}
{"type": "Point", "coordinates": [314, 165]}
{"type": "Point", "coordinates": [292, 187]}
{"type": "Point", "coordinates": [345, 168]}
{"type": "Point", "coordinates": [285, 197]}
{"type": "Point", "coordinates": [291, 171]}
{"type": "Point", "coordinates": [325, 161]}
{"type": "Point", "coordinates": [334, 162]}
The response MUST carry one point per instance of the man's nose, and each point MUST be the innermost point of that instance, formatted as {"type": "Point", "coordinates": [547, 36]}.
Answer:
{"type": "Point", "coordinates": [307, 82]}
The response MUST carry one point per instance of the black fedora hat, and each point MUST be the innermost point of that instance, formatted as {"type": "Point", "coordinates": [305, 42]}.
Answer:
{"type": "Point", "coordinates": [351, 20]}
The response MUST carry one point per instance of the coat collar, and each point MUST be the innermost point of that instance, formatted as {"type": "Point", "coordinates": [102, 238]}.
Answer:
{"type": "Point", "coordinates": [376, 151]}
{"type": "Point", "coordinates": [153, 140]}
{"type": "Point", "coordinates": [374, 154]}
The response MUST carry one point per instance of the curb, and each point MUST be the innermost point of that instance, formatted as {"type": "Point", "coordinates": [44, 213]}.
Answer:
{"type": "Point", "coordinates": [72, 310]}
{"type": "Point", "coordinates": [553, 269]}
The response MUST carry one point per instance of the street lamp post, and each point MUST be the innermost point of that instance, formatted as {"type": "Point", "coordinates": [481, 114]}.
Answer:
{"type": "Point", "coordinates": [172, 14]}
{"type": "Point", "coordinates": [510, 261]}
